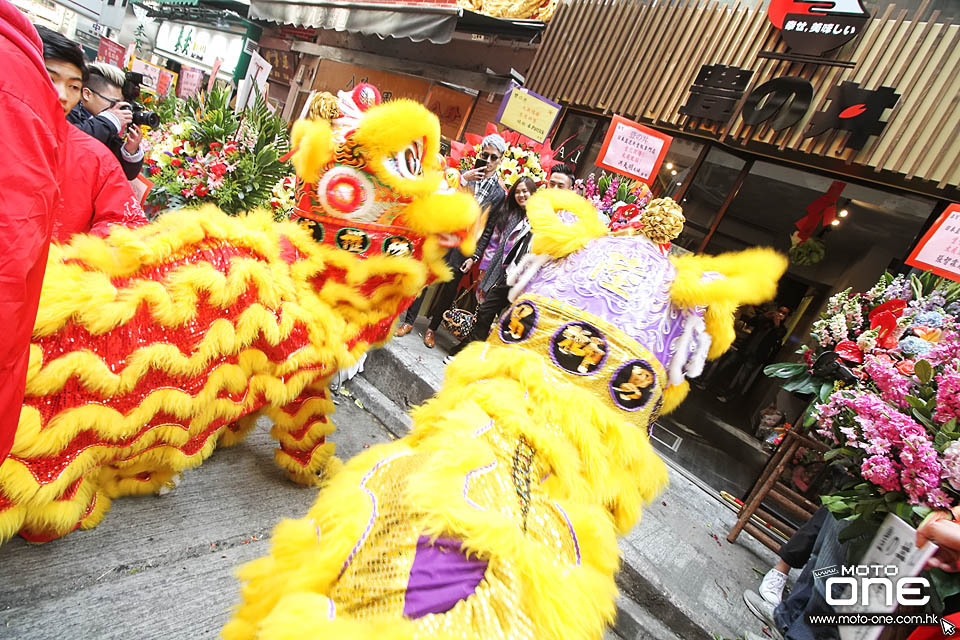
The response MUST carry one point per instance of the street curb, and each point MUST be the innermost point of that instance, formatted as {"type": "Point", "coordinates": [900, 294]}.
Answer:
{"type": "Point", "coordinates": [392, 417]}
{"type": "Point", "coordinates": [646, 608]}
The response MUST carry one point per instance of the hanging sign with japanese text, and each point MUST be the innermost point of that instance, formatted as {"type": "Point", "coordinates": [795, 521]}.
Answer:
{"type": "Point", "coordinates": [528, 113]}
{"type": "Point", "coordinates": [812, 28]}
{"type": "Point", "coordinates": [633, 150]}
{"type": "Point", "coordinates": [110, 52]}
{"type": "Point", "coordinates": [939, 249]}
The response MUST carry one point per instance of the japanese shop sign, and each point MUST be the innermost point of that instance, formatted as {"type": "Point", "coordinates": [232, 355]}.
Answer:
{"type": "Point", "coordinates": [633, 150]}
{"type": "Point", "coordinates": [813, 27]}
{"type": "Point", "coordinates": [110, 52]}
{"type": "Point", "coordinates": [528, 113]}
{"type": "Point", "coordinates": [939, 249]}
{"type": "Point", "coordinates": [786, 100]}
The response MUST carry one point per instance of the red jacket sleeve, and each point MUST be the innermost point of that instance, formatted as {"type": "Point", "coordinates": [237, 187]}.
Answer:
{"type": "Point", "coordinates": [114, 202]}
{"type": "Point", "coordinates": [28, 198]}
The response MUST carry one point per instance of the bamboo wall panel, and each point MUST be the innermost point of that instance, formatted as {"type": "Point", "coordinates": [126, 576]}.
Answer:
{"type": "Point", "coordinates": [638, 58]}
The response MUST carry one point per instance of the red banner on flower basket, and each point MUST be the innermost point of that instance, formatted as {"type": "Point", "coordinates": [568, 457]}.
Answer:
{"type": "Point", "coordinates": [939, 249]}
{"type": "Point", "coordinates": [633, 150]}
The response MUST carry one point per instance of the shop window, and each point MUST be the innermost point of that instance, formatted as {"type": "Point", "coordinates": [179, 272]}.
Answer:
{"type": "Point", "coordinates": [677, 167]}
{"type": "Point", "coordinates": [574, 136]}
{"type": "Point", "coordinates": [705, 195]}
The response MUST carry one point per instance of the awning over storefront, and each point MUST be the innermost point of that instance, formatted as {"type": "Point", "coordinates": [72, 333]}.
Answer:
{"type": "Point", "coordinates": [433, 22]}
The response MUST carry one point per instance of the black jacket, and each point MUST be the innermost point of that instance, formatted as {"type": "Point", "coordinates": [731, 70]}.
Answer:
{"type": "Point", "coordinates": [103, 130]}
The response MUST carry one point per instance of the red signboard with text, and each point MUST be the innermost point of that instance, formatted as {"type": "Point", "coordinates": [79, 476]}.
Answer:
{"type": "Point", "coordinates": [939, 249]}
{"type": "Point", "coordinates": [110, 52]}
{"type": "Point", "coordinates": [633, 150]}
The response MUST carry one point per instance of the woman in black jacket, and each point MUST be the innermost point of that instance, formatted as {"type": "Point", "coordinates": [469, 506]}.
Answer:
{"type": "Point", "coordinates": [507, 228]}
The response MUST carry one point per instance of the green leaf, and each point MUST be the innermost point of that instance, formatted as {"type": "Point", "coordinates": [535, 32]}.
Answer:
{"type": "Point", "coordinates": [916, 402]}
{"type": "Point", "coordinates": [940, 440]}
{"type": "Point", "coordinates": [924, 420]}
{"type": "Point", "coordinates": [904, 511]}
{"type": "Point", "coordinates": [950, 426]}
{"type": "Point", "coordinates": [826, 389]}
{"type": "Point", "coordinates": [801, 385]}
{"type": "Point", "coordinates": [924, 371]}
{"type": "Point", "coordinates": [945, 584]}
{"type": "Point", "coordinates": [784, 369]}
{"type": "Point", "coordinates": [858, 527]}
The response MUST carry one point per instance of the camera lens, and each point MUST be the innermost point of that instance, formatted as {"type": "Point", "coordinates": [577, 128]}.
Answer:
{"type": "Point", "coordinates": [148, 118]}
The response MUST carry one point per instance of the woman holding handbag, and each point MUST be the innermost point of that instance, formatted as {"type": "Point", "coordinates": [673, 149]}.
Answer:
{"type": "Point", "coordinates": [509, 227]}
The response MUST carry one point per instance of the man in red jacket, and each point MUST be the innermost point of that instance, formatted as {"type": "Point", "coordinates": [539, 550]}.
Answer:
{"type": "Point", "coordinates": [33, 132]}
{"type": "Point", "coordinates": [95, 191]}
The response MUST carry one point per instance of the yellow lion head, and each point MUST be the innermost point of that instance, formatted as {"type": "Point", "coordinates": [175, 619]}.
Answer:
{"type": "Point", "coordinates": [376, 167]}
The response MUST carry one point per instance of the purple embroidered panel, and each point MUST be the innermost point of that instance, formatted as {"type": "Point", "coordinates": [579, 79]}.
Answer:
{"type": "Point", "coordinates": [441, 576]}
{"type": "Point", "coordinates": [624, 280]}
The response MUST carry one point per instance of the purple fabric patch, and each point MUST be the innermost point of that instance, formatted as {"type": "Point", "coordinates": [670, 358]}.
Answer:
{"type": "Point", "coordinates": [441, 576]}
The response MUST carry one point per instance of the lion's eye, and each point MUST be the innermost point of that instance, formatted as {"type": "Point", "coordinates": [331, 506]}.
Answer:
{"type": "Point", "coordinates": [409, 162]}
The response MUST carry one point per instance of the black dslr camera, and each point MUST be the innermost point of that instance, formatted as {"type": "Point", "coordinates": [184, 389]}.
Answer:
{"type": "Point", "coordinates": [131, 93]}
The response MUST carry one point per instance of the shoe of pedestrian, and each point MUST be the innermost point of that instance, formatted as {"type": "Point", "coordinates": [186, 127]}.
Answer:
{"type": "Point", "coordinates": [448, 359]}
{"type": "Point", "coordinates": [404, 329]}
{"type": "Point", "coordinates": [760, 608]}
{"type": "Point", "coordinates": [771, 587]}
{"type": "Point", "coordinates": [430, 339]}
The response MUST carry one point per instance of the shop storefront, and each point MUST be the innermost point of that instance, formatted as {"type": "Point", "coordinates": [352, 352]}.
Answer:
{"type": "Point", "coordinates": [457, 62]}
{"type": "Point", "coordinates": [771, 116]}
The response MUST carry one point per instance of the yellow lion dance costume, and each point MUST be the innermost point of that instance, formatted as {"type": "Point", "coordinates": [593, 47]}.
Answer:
{"type": "Point", "coordinates": [497, 516]}
{"type": "Point", "coordinates": [154, 345]}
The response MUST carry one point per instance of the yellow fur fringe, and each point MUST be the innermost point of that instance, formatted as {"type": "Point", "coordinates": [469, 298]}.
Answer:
{"type": "Point", "coordinates": [750, 277]}
{"type": "Point", "coordinates": [602, 470]}
{"type": "Point", "coordinates": [551, 235]}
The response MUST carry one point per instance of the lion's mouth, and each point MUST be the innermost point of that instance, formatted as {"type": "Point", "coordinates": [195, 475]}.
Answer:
{"type": "Point", "coordinates": [450, 240]}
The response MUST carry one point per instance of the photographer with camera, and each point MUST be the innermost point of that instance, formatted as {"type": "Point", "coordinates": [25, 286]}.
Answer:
{"type": "Point", "coordinates": [105, 112]}
{"type": "Point", "coordinates": [94, 192]}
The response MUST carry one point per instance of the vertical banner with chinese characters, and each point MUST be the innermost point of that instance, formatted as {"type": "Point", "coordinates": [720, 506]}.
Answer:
{"type": "Point", "coordinates": [939, 249]}
{"type": "Point", "coordinates": [110, 52]}
{"type": "Point", "coordinates": [633, 150]}
{"type": "Point", "coordinates": [528, 113]}
{"type": "Point", "coordinates": [191, 79]}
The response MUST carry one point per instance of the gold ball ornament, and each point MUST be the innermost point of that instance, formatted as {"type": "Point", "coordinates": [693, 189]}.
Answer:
{"type": "Point", "coordinates": [662, 220]}
{"type": "Point", "coordinates": [324, 106]}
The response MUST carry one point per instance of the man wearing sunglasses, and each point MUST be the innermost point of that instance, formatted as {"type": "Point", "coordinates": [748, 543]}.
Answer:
{"type": "Point", "coordinates": [483, 179]}
{"type": "Point", "coordinates": [102, 114]}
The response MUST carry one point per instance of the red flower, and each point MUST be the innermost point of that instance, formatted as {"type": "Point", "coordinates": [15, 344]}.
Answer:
{"type": "Point", "coordinates": [178, 149]}
{"type": "Point", "coordinates": [895, 307]}
{"type": "Point", "coordinates": [154, 170]}
{"type": "Point", "coordinates": [906, 367]}
{"type": "Point", "coordinates": [848, 350]}
{"type": "Point", "coordinates": [886, 321]}
{"type": "Point", "coordinates": [176, 162]}
{"type": "Point", "coordinates": [218, 169]}
{"type": "Point", "coordinates": [185, 192]}
{"type": "Point", "coordinates": [202, 190]}
{"type": "Point", "coordinates": [214, 145]}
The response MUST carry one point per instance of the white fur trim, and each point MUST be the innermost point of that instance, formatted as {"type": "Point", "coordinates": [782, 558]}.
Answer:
{"type": "Point", "coordinates": [699, 357]}
{"type": "Point", "coordinates": [519, 277]}
{"type": "Point", "coordinates": [691, 352]}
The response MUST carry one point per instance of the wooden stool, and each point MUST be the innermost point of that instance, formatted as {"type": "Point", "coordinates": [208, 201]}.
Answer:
{"type": "Point", "coordinates": [769, 487]}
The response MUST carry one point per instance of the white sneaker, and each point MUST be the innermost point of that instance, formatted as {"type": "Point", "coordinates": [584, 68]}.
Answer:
{"type": "Point", "coordinates": [763, 610]}
{"type": "Point", "coordinates": [771, 587]}
{"type": "Point", "coordinates": [448, 359]}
